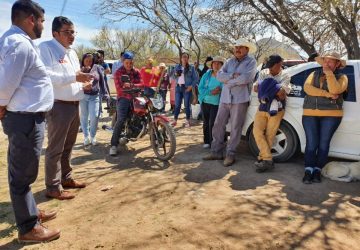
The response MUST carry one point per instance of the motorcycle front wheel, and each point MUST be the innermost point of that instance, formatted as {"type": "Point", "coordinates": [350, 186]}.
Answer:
{"type": "Point", "coordinates": [163, 140]}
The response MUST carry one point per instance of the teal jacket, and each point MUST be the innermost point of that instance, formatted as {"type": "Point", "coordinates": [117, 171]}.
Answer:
{"type": "Point", "coordinates": [207, 84]}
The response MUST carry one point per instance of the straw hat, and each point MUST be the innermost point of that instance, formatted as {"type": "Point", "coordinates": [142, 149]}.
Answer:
{"type": "Point", "coordinates": [246, 43]}
{"type": "Point", "coordinates": [332, 55]}
{"type": "Point", "coordinates": [162, 65]}
{"type": "Point", "coordinates": [218, 59]}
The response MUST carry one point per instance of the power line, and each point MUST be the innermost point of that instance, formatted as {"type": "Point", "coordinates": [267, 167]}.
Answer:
{"type": "Point", "coordinates": [63, 7]}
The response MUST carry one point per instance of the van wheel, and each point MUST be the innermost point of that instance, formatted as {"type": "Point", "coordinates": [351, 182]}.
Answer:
{"type": "Point", "coordinates": [285, 146]}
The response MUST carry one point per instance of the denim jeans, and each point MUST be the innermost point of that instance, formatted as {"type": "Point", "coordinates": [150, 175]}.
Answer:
{"type": "Point", "coordinates": [89, 109]}
{"type": "Point", "coordinates": [319, 131]}
{"type": "Point", "coordinates": [122, 111]}
{"type": "Point", "coordinates": [180, 95]}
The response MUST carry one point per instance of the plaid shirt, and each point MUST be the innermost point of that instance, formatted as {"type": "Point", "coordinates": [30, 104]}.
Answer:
{"type": "Point", "coordinates": [135, 80]}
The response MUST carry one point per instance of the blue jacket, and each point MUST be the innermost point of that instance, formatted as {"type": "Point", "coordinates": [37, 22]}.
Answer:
{"type": "Point", "coordinates": [207, 84]}
{"type": "Point", "coordinates": [267, 91]}
{"type": "Point", "coordinates": [191, 76]}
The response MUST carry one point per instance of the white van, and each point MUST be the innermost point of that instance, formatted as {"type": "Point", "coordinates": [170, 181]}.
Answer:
{"type": "Point", "coordinates": [291, 136]}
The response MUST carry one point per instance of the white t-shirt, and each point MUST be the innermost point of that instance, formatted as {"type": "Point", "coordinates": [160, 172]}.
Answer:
{"type": "Point", "coordinates": [181, 80]}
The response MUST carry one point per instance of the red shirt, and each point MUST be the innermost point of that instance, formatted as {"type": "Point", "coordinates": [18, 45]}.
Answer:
{"type": "Point", "coordinates": [147, 75]}
{"type": "Point", "coordinates": [135, 80]}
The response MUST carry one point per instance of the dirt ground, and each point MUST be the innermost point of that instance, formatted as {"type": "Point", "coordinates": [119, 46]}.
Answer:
{"type": "Point", "coordinates": [189, 204]}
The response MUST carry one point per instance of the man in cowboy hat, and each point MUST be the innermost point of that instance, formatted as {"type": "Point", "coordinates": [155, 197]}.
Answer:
{"type": "Point", "coordinates": [236, 74]}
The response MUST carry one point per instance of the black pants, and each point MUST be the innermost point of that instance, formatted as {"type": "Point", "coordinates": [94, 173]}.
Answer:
{"type": "Point", "coordinates": [26, 136]}
{"type": "Point", "coordinates": [209, 112]}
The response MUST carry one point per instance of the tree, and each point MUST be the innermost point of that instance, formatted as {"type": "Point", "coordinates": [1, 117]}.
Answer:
{"type": "Point", "coordinates": [177, 19]}
{"type": "Point", "coordinates": [143, 43]}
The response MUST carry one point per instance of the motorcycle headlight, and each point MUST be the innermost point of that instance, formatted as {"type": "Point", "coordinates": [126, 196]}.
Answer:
{"type": "Point", "coordinates": [157, 102]}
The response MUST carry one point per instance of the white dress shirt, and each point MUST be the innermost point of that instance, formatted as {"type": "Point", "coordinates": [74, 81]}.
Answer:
{"type": "Point", "coordinates": [24, 83]}
{"type": "Point", "coordinates": [62, 65]}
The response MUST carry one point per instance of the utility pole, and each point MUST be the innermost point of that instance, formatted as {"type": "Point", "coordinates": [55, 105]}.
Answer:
{"type": "Point", "coordinates": [63, 7]}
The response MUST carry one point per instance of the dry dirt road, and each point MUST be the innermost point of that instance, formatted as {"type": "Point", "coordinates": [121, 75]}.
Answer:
{"type": "Point", "coordinates": [188, 203]}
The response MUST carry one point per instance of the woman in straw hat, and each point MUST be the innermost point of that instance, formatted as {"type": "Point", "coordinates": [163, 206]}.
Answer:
{"type": "Point", "coordinates": [209, 98]}
{"type": "Point", "coordinates": [323, 111]}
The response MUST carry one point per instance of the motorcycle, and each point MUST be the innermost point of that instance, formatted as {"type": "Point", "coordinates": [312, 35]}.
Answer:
{"type": "Point", "coordinates": [145, 118]}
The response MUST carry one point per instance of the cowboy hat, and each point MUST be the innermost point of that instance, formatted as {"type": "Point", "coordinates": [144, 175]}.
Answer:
{"type": "Point", "coordinates": [218, 59]}
{"type": "Point", "coordinates": [162, 65]}
{"type": "Point", "coordinates": [332, 55]}
{"type": "Point", "coordinates": [246, 43]}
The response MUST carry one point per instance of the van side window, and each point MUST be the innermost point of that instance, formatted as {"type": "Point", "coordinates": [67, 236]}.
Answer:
{"type": "Point", "coordinates": [350, 95]}
{"type": "Point", "coordinates": [299, 79]}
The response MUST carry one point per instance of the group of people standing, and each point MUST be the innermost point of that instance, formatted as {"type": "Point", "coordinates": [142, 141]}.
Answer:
{"type": "Point", "coordinates": [48, 82]}
{"type": "Point", "coordinates": [322, 108]}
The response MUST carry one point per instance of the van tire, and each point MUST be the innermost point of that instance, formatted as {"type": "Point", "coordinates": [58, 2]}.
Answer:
{"type": "Point", "coordinates": [290, 145]}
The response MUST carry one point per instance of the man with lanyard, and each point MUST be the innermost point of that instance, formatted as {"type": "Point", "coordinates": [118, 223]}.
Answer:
{"type": "Point", "coordinates": [236, 74]}
{"type": "Point", "coordinates": [124, 100]}
{"type": "Point", "coordinates": [63, 67]}
{"type": "Point", "coordinates": [26, 95]}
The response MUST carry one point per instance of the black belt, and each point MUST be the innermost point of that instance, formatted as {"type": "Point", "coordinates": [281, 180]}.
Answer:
{"type": "Point", "coordinates": [68, 102]}
{"type": "Point", "coordinates": [28, 113]}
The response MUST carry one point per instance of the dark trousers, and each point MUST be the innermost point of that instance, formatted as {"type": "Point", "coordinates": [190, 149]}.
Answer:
{"type": "Point", "coordinates": [209, 112]}
{"type": "Point", "coordinates": [180, 95]}
{"type": "Point", "coordinates": [122, 110]}
{"type": "Point", "coordinates": [63, 126]}
{"type": "Point", "coordinates": [163, 93]}
{"type": "Point", "coordinates": [319, 131]}
{"type": "Point", "coordinates": [149, 92]}
{"type": "Point", "coordinates": [26, 136]}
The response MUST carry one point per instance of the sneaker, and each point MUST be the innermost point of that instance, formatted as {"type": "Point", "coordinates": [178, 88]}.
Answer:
{"type": "Point", "coordinates": [113, 151]}
{"type": "Point", "coordinates": [316, 176]}
{"type": "Point", "coordinates": [307, 179]}
{"type": "Point", "coordinates": [173, 124]}
{"type": "Point", "coordinates": [206, 146]}
{"type": "Point", "coordinates": [187, 124]}
{"type": "Point", "coordinates": [93, 141]}
{"type": "Point", "coordinates": [263, 166]}
{"type": "Point", "coordinates": [258, 163]}
{"type": "Point", "coordinates": [212, 157]}
{"type": "Point", "coordinates": [86, 141]}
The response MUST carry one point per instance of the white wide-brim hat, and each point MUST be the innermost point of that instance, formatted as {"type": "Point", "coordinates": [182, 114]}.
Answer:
{"type": "Point", "coordinates": [218, 59]}
{"type": "Point", "coordinates": [246, 43]}
{"type": "Point", "coordinates": [332, 55]}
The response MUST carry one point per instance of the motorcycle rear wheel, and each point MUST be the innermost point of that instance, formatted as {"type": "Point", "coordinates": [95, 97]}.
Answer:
{"type": "Point", "coordinates": [163, 140]}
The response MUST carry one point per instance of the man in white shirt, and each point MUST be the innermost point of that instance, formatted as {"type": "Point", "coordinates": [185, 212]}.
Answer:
{"type": "Point", "coordinates": [26, 95]}
{"type": "Point", "coordinates": [117, 65]}
{"type": "Point", "coordinates": [62, 65]}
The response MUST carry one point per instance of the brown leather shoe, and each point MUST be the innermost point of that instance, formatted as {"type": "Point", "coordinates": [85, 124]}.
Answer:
{"type": "Point", "coordinates": [60, 195]}
{"type": "Point", "coordinates": [229, 160]}
{"type": "Point", "coordinates": [46, 216]}
{"type": "Point", "coordinates": [212, 157]}
{"type": "Point", "coordinates": [71, 183]}
{"type": "Point", "coordinates": [39, 234]}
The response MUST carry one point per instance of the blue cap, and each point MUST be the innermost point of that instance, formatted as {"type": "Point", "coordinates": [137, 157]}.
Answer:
{"type": "Point", "coordinates": [128, 55]}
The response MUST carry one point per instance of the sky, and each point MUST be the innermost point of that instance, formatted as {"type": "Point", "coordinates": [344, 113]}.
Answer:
{"type": "Point", "coordinates": [78, 11]}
